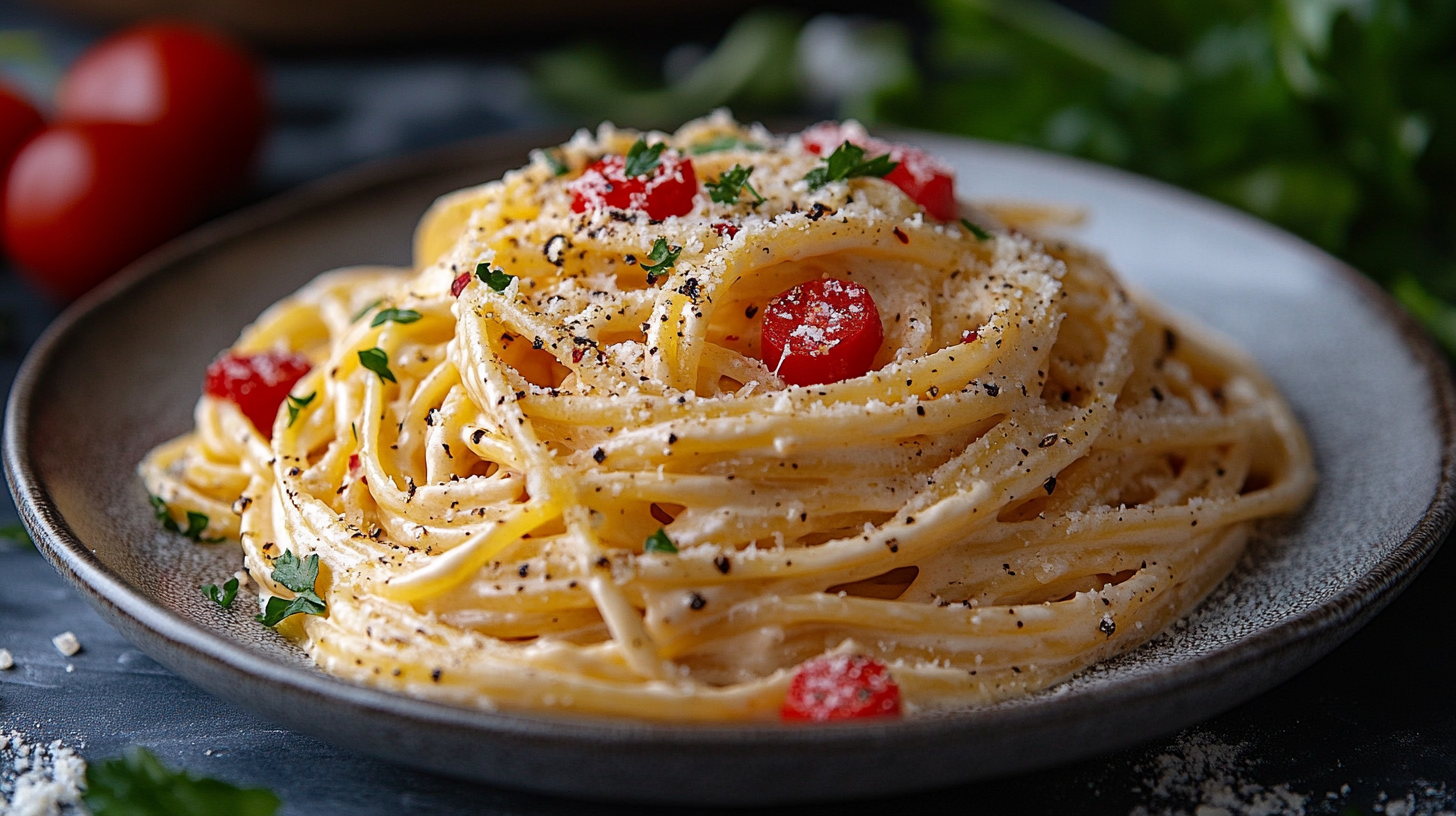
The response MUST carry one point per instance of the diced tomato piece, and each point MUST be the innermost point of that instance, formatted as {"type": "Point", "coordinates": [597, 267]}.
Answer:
{"type": "Point", "coordinates": [841, 687]}
{"type": "Point", "coordinates": [257, 383]}
{"type": "Point", "coordinates": [668, 190]}
{"type": "Point", "coordinates": [923, 177]}
{"type": "Point", "coordinates": [821, 331]}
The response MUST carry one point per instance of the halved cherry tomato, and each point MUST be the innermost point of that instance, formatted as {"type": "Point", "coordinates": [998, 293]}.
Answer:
{"type": "Point", "coordinates": [83, 200]}
{"type": "Point", "coordinates": [821, 331]}
{"type": "Point", "coordinates": [923, 177]}
{"type": "Point", "coordinates": [256, 383]}
{"type": "Point", "coordinates": [19, 120]}
{"type": "Point", "coordinates": [199, 94]}
{"type": "Point", "coordinates": [841, 687]}
{"type": "Point", "coordinates": [668, 190]}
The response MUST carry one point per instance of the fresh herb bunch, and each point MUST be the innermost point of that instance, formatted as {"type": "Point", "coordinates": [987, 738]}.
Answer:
{"type": "Point", "coordinates": [1334, 120]}
{"type": "Point", "coordinates": [137, 784]}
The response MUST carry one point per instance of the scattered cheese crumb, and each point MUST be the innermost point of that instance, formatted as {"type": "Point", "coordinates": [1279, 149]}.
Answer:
{"type": "Point", "coordinates": [66, 643]}
{"type": "Point", "coordinates": [6, 661]}
{"type": "Point", "coordinates": [39, 780]}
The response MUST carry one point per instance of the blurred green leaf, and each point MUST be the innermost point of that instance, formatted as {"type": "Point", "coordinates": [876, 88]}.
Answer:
{"type": "Point", "coordinates": [137, 784]}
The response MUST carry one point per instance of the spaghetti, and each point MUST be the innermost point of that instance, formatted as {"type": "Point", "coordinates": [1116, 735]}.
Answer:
{"type": "Point", "coordinates": [553, 467]}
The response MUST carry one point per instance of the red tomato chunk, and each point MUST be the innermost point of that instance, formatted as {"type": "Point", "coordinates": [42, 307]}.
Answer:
{"type": "Point", "coordinates": [923, 177]}
{"type": "Point", "coordinates": [841, 687]}
{"type": "Point", "coordinates": [821, 331]}
{"type": "Point", "coordinates": [257, 383]}
{"type": "Point", "coordinates": [668, 190]}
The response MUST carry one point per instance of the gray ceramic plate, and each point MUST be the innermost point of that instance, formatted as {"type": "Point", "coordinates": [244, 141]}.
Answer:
{"type": "Point", "coordinates": [119, 373]}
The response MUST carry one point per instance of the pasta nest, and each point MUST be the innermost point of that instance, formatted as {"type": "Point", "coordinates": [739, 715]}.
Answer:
{"type": "Point", "coordinates": [1041, 469]}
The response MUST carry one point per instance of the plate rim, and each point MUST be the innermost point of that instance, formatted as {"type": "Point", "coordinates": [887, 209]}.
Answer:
{"type": "Point", "coordinates": [134, 612]}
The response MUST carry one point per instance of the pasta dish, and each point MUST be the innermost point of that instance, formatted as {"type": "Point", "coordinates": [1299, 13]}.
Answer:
{"type": "Point", "coordinates": [722, 425]}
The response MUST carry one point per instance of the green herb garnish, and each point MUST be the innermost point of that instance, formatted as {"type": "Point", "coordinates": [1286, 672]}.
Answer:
{"type": "Point", "coordinates": [496, 279]}
{"type": "Point", "coordinates": [366, 310]}
{"type": "Point", "coordinates": [299, 576]}
{"type": "Point", "coordinates": [196, 522]}
{"type": "Point", "coordinates": [642, 159]}
{"type": "Point", "coordinates": [394, 316]}
{"type": "Point", "coordinates": [296, 404]}
{"type": "Point", "coordinates": [377, 361]}
{"type": "Point", "coordinates": [137, 784]}
{"type": "Point", "coordinates": [17, 533]}
{"type": "Point", "coordinates": [222, 597]}
{"type": "Point", "coordinates": [661, 260]}
{"type": "Point", "coordinates": [731, 185]}
{"type": "Point", "coordinates": [554, 160]}
{"type": "Point", "coordinates": [658, 542]}
{"type": "Point", "coordinates": [847, 162]}
{"type": "Point", "coordinates": [722, 143]}
{"type": "Point", "coordinates": [981, 235]}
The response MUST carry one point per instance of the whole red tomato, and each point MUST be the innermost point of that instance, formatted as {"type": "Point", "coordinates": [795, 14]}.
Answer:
{"type": "Point", "coordinates": [84, 199]}
{"type": "Point", "coordinates": [18, 121]}
{"type": "Point", "coordinates": [198, 94]}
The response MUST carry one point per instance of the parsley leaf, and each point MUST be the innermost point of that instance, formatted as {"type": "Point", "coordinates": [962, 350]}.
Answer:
{"type": "Point", "coordinates": [395, 316]}
{"type": "Point", "coordinates": [732, 184]}
{"type": "Point", "coordinates": [658, 542]}
{"type": "Point", "coordinates": [496, 279]}
{"type": "Point", "coordinates": [137, 784]}
{"type": "Point", "coordinates": [662, 260]}
{"type": "Point", "coordinates": [642, 159]}
{"type": "Point", "coordinates": [722, 143]}
{"type": "Point", "coordinates": [299, 576]}
{"type": "Point", "coordinates": [377, 361]}
{"type": "Point", "coordinates": [555, 160]}
{"type": "Point", "coordinates": [222, 597]}
{"type": "Point", "coordinates": [847, 162]}
{"type": "Point", "coordinates": [296, 404]}
{"type": "Point", "coordinates": [366, 310]}
{"type": "Point", "coordinates": [17, 533]}
{"type": "Point", "coordinates": [974, 229]}
{"type": "Point", "coordinates": [196, 522]}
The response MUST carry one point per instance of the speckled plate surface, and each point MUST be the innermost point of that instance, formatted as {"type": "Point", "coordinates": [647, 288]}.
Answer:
{"type": "Point", "coordinates": [120, 371]}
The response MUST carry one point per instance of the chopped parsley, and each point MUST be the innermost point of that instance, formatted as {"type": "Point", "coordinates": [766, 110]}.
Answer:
{"type": "Point", "coordinates": [366, 310]}
{"type": "Point", "coordinates": [17, 533]}
{"type": "Point", "coordinates": [137, 784]}
{"type": "Point", "coordinates": [661, 260]}
{"type": "Point", "coordinates": [847, 162]}
{"type": "Point", "coordinates": [722, 143]}
{"type": "Point", "coordinates": [555, 160]}
{"type": "Point", "coordinates": [196, 522]}
{"type": "Point", "coordinates": [658, 542]}
{"type": "Point", "coordinates": [222, 597]}
{"type": "Point", "coordinates": [296, 404]}
{"type": "Point", "coordinates": [974, 229]}
{"type": "Point", "coordinates": [731, 185]}
{"type": "Point", "coordinates": [377, 361]}
{"type": "Point", "coordinates": [642, 160]}
{"type": "Point", "coordinates": [496, 279]}
{"type": "Point", "coordinates": [394, 316]}
{"type": "Point", "coordinates": [299, 576]}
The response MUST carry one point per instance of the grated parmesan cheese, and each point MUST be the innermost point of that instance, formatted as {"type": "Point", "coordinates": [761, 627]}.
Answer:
{"type": "Point", "coordinates": [6, 660]}
{"type": "Point", "coordinates": [38, 779]}
{"type": "Point", "coordinates": [66, 643]}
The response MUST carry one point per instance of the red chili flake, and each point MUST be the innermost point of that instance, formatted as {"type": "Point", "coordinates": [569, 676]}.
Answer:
{"type": "Point", "coordinates": [576, 354]}
{"type": "Point", "coordinates": [458, 285]}
{"type": "Point", "coordinates": [353, 462]}
{"type": "Point", "coordinates": [904, 239]}
{"type": "Point", "coordinates": [969, 336]}
{"type": "Point", "coordinates": [841, 687]}
{"type": "Point", "coordinates": [256, 383]}
{"type": "Point", "coordinates": [724, 228]}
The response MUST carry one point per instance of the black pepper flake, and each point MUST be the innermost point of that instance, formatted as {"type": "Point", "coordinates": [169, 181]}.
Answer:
{"type": "Point", "coordinates": [604, 562]}
{"type": "Point", "coordinates": [920, 409]}
{"type": "Point", "coordinates": [1107, 626]}
{"type": "Point", "coordinates": [478, 435]}
{"type": "Point", "coordinates": [696, 601]}
{"type": "Point", "coordinates": [537, 343]}
{"type": "Point", "coordinates": [1050, 484]}
{"type": "Point", "coordinates": [293, 471]}
{"type": "Point", "coordinates": [672, 439]}
{"type": "Point", "coordinates": [750, 312]}
{"type": "Point", "coordinates": [447, 450]}
{"type": "Point", "coordinates": [435, 675]}
{"type": "Point", "coordinates": [1047, 441]}
{"type": "Point", "coordinates": [1170, 340]}
{"type": "Point", "coordinates": [901, 236]}
{"type": "Point", "coordinates": [1157, 395]}
{"type": "Point", "coordinates": [1020, 624]}
{"type": "Point", "coordinates": [599, 455]}
{"type": "Point", "coordinates": [555, 249]}
{"type": "Point", "coordinates": [992, 389]}
{"type": "Point", "coordinates": [723, 564]}
{"type": "Point", "coordinates": [525, 568]}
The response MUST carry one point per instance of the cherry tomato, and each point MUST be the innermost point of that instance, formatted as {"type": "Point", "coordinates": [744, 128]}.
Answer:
{"type": "Point", "coordinates": [198, 93]}
{"type": "Point", "coordinates": [822, 331]}
{"type": "Point", "coordinates": [668, 190]}
{"type": "Point", "coordinates": [841, 687]}
{"type": "Point", "coordinates": [923, 177]}
{"type": "Point", "coordinates": [19, 120]}
{"type": "Point", "coordinates": [256, 383]}
{"type": "Point", "coordinates": [84, 200]}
